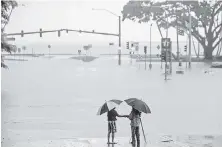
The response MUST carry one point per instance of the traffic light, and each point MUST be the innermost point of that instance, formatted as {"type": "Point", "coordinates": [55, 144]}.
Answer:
{"type": "Point", "coordinates": [180, 32]}
{"type": "Point", "coordinates": [145, 49]}
{"type": "Point", "coordinates": [59, 33]}
{"type": "Point", "coordinates": [127, 45]}
{"type": "Point", "coordinates": [132, 45]}
{"type": "Point", "coordinates": [185, 48]}
{"type": "Point", "coordinates": [22, 33]}
{"type": "Point", "coordinates": [67, 31]}
{"type": "Point", "coordinates": [163, 56]}
{"type": "Point", "coordinates": [40, 32]}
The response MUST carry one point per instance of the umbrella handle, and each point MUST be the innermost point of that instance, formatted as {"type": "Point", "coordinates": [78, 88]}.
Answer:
{"type": "Point", "coordinates": [143, 130]}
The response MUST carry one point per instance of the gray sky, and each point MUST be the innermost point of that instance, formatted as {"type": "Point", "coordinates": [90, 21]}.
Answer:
{"type": "Point", "coordinates": [77, 14]}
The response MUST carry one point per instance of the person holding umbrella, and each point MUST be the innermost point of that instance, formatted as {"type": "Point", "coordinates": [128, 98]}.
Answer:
{"type": "Point", "coordinates": [138, 106]}
{"type": "Point", "coordinates": [111, 116]}
{"type": "Point", "coordinates": [110, 107]}
{"type": "Point", "coordinates": [135, 126]}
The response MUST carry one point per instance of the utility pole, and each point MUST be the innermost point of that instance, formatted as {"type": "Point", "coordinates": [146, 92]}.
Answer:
{"type": "Point", "coordinates": [170, 57]}
{"type": "Point", "coordinates": [119, 35]}
{"type": "Point", "coordinates": [150, 66]}
{"type": "Point", "coordinates": [119, 40]}
{"type": "Point", "coordinates": [189, 38]}
{"type": "Point", "coordinates": [177, 39]}
{"type": "Point", "coordinates": [166, 50]}
{"type": "Point", "coordinates": [145, 52]}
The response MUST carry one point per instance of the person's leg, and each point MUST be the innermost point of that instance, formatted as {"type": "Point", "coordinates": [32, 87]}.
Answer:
{"type": "Point", "coordinates": [133, 136]}
{"type": "Point", "coordinates": [113, 130]}
{"type": "Point", "coordinates": [109, 131]}
{"type": "Point", "coordinates": [113, 136]}
{"type": "Point", "coordinates": [108, 136]}
{"type": "Point", "coordinates": [137, 132]}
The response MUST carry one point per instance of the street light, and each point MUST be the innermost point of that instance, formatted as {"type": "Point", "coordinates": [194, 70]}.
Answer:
{"type": "Point", "coordinates": [119, 17]}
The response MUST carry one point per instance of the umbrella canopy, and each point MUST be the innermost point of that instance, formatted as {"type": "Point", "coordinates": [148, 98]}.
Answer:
{"type": "Point", "coordinates": [138, 105]}
{"type": "Point", "coordinates": [107, 106]}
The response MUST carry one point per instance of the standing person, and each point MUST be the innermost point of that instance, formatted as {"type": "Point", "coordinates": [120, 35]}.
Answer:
{"type": "Point", "coordinates": [111, 115]}
{"type": "Point", "coordinates": [135, 123]}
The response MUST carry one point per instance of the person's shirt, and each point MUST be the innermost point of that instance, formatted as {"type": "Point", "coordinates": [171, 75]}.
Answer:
{"type": "Point", "coordinates": [112, 114]}
{"type": "Point", "coordinates": [135, 119]}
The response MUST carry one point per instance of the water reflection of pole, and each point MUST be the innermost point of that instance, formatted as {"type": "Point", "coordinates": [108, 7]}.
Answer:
{"type": "Point", "coordinates": [186, 54]}
{"type": "Point", "coordinates": [24, 48]}
{"type": "Point", "coordinates": [161, 58]}
{"type": "Point", "coordinates": [145, 61]}
{"type": "Point", "coordinates": [170, 57]}
{"type": "Point", "coordinates": [145, 52]}
{"type": "Point", "coordinates": [49, 46]}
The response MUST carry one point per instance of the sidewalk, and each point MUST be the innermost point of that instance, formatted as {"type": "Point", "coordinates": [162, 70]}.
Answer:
{"type": "Point", "coordinates": [152, 141]}
{"type": "Point", "coordinates": [92, 142]}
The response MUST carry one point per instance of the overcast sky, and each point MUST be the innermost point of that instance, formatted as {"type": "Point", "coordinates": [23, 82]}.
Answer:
{"type": "Point", "coordinates": [77, 14]}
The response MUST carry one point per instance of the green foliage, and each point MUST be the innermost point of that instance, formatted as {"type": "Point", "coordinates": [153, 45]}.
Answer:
{"type": "Point", "coordinates": [168, 14]}
{"type": "Point", "coordinates": [6, 10]}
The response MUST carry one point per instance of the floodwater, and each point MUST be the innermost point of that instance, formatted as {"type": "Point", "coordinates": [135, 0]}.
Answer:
{"type": "Point", "coordinates": [59, 97]}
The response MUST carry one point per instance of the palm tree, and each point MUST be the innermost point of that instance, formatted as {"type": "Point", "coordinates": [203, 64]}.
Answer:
{"type": "Point", "coordinates": [6, 11]}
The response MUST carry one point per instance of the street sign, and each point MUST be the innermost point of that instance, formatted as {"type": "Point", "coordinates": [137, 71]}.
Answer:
{"type": "Point", "coordinates": [165, 43]}
{"type": "Point", "coordinates": [158, 47]}
{"type": "Point", "coordinates": [111, 43]}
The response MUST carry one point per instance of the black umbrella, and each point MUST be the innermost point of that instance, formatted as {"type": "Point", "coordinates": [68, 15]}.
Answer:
{"type": "Point", "coordinates": [138, 105]}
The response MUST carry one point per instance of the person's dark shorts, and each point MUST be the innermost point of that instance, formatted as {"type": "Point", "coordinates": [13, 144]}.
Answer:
{"type": "Point", "coordinates": [112, 127]}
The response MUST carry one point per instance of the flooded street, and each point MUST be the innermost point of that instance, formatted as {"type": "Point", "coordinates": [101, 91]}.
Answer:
{"type": "Point", "coordinates": [59, 98]}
